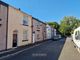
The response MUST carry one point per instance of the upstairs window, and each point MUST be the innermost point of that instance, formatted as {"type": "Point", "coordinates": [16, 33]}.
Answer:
{"type": "Point", "coordinates": [25, 21]}
{"type": "Point", "coordinates": [0, 11]}
{"type": "Point", "coordinates": [38, 25]}
{"type": "Point", "coordinates": [0, 7]}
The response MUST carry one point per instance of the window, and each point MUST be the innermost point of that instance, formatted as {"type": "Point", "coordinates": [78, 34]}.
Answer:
{"type": "Point", "coordinates": [25, 21]}
{"type": "Point", "coordinates": [0, 7]}
{"type": "Point", "coordinates": [77, 35]}
{"type": "Point", "coordinates": [25, 35]}
{"type": "Point", "coordinates": [38, 36]}
{"type": "Point", "coordinates": [38, 25]}
{"type": "Point", "coordinates": [0, 24]}
{"type": "Point", "coordinates": [0, 19]}
{"type": "Point", "coordinates": [0, 12]}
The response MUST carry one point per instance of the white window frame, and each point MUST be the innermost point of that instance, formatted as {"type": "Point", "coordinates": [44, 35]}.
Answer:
{"type": "Point", "coordinates": [25, 35]}
{"type": "Point", "coordinates": [25, 21]}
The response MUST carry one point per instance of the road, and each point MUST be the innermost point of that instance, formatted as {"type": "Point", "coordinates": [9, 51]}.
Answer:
{"type": "Point", "coordinates": [49, 50]}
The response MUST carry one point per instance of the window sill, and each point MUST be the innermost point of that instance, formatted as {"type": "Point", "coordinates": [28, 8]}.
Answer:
{"type": "Point", "coordinates": [25, 25]}
{"type": "Point", "coordinates": [24, 40]}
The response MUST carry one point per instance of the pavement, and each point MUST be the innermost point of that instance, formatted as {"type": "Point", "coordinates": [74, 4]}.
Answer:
{"type": "Point", "coordinates": [69, 52]}
{"type": "Point", "coordinates": [48, 50]}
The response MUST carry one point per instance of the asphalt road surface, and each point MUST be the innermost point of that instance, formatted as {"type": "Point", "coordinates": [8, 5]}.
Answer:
{"type": "Point", "coordinates": [49, 50]}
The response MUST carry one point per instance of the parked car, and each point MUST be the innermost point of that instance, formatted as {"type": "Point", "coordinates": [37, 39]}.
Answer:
{"type": "Point", "coordinates": [76, 38]}
{"type": "Point", "coordinates": [57, 37]}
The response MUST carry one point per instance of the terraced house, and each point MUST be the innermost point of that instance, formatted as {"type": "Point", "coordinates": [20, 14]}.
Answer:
{"type": "Point", "coordinates": [39, 30]}
{"type": "Point", "coordinates": [15, 27]}
{"type": "Point", "coordinates": [48, 31]}
{"type": "Point", "coordinates": [18, 28]}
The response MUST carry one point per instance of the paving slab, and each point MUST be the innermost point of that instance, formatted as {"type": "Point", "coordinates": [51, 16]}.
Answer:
{"type": "Point", "coordinates": [69, 52]}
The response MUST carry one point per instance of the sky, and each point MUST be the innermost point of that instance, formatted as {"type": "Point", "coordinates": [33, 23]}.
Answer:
{"type": "Point", "coordinates": [48, 10]}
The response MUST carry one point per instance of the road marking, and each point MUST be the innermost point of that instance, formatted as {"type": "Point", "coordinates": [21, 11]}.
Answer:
{"type": "Point", "coordinates": [21, 51]}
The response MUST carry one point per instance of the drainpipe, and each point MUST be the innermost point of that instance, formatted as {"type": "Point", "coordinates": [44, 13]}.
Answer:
{"type": "Point", "coordinates": [32, 29]}
{"type": "Point", "coordinates": [42, 31]}
{"type": "Point", "coordinates": [7, 25]}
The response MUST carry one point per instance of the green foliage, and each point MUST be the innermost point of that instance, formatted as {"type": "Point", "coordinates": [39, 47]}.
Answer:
{"type": "Point", "coordinates": [54, 24]}
{"type": "Point", "coordinates": [68, 24]}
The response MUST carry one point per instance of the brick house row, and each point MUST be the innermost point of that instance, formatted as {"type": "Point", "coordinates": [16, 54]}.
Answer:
{"type": "Point", "coordinates": [18, 28]}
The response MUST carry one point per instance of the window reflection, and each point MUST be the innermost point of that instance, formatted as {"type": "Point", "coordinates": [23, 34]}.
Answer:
{"type": "Point", "coordinates": [77, 35]}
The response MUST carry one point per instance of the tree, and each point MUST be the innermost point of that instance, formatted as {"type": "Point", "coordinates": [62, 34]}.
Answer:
{"type": "Point", "coordinates": [68, 24]}
{"type": "Point", "coordinates": [54, 24]}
